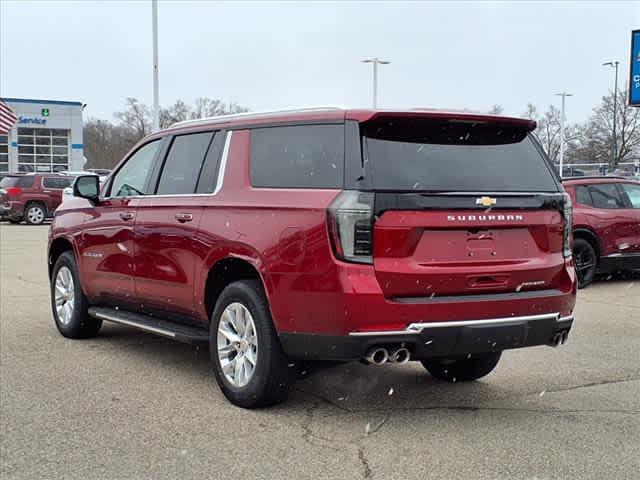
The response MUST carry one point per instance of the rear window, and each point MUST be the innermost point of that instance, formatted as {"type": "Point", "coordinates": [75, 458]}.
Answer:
{"type": "Point", "coordinates": [302, 156]}
{"type": "Point", "coordinates": [56, 182]}
{"type": "Point", "coordinates": [428, 155]}
{"type": "Point", "coordinates": [22, 182]}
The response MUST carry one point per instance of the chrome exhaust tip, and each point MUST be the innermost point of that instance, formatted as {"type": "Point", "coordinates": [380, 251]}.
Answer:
{"type": "Point", "coordinates": [377, 356]}
{"type": "Point", "coordinates": [399, 356]}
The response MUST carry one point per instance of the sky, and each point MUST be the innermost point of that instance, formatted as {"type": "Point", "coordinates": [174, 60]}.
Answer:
{"type": "Point", "coordinates": [268, 55]}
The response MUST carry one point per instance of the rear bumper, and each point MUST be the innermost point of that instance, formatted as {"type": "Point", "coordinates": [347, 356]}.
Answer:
{"type": "Point", "coordinates": [11, 209]}
{"type": "Point", "coordinates": [434, 339]}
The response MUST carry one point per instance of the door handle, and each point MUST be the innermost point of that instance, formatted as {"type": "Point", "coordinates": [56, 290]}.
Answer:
{"type": "Point", "coordinates": [127, 216]}
{"type": "Point", "coordinates": [184, 217]}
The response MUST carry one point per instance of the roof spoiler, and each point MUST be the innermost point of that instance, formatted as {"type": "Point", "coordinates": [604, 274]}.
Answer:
{"type": "Point", "coordinates": [461, 117]}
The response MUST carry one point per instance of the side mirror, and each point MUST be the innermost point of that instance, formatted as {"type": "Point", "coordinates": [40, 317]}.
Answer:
{"type": "Point", "coordinates": [87, 186]}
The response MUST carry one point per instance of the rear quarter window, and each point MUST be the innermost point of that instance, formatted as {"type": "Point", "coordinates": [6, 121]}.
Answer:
{"type": "Point", "coordinates": [301, 156]}
{"type": "Point", "coordinates": [25, 182]}
{"type": "Point", "coordinates": [606, 195]}
{"type": "Point", "coordinates": [56, 182]}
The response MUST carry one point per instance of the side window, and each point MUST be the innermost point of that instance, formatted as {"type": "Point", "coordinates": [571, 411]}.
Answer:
{"type": "Point", "coordinates": [583, 196]}
{"type": "Point", "coordinates": [606, 195]}
{"type": "Point", "coordinates": [25, 182]}
{"type": "Point", "coordinates": [211, 166]}
{"type": "Point", "coordinates": [184, 161]}
{"type": "Point", "coordinates": [131, 178]}
{"type": "Point", "coordinates": [56, 182]}
{"type": "Point", "coordinates": [633, 192]}
{"type": "Point", "coordinates": [304, 156]}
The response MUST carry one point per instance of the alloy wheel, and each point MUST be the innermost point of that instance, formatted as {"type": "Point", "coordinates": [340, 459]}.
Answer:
{"type": "Point", "coordinates": [64, 295]}
{"type": "Point", "coordinates": [585, 260]}
{"type": "Point", "coordinates": [237, 344]}
{"type": "Point", "coordinates": [35, 215]}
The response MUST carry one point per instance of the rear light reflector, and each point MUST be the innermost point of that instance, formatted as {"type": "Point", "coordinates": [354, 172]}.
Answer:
{"type": "Point", "coordinates": [13, 191]}
{"type": "Point", "coordinates": [567, 233]}
{"type": "Point", "coordinates": [350, 218]}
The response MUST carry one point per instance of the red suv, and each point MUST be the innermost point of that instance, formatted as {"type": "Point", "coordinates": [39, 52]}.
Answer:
{"type": "Point", "coordinates": [323, 234]}
{"type": "Point", "coordinates": [31, 197]}
{"type": "Point", "coordinates": [606, 225]}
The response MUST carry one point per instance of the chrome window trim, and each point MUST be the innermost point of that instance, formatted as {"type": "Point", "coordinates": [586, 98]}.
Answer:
{"type": "Point", "coordinates": [219, 180]}
{"type": "Point", "coordinates": [417, 328]}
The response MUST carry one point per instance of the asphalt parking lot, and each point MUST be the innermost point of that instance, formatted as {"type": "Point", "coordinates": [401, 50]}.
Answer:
{"type": "Point", "coordinates": [128, 405]}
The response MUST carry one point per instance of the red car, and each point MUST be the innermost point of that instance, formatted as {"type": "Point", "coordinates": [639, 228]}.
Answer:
{"type": "Point", "coordinates": [323, 234]}
{"type": "Point", "coordinates": [606, 226]}
{"type": "Point", "coordinates": [31, 197]}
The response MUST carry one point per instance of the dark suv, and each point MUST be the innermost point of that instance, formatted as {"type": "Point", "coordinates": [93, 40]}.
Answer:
{"type": "Point", "coordinates": [606, 229]}
{"type": "Point", "coordinates": [31, 197]}
{"type": "Point", "coordinates": [323, 234]}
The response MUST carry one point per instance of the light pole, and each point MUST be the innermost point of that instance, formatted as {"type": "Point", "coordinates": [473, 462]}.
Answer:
{"type": "Point", "coordinates": [562, 118]}
{"type": "Point", "coordinates": [614, 143]}
{"type": "Point", "coordinates": [156, 101]}
{"type": "Point", "coordinates": [375, 61]}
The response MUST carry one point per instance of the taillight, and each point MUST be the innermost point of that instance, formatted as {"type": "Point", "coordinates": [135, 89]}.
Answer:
{"type": "Point", "coordinates": [567, 234]}
{"type": "Point", "coordinates": [13, 191]}
{"type": "Point", "coordinates": [350, 218]}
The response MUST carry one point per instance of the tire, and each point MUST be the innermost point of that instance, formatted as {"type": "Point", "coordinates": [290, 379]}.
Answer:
{"type": "Point", "coordinates": [68, 304]}
{"type": "Point", "coordinates": [463, 370]}
{"type": "Point", "coordinates": [269, 379]}
{"type": "Point", "coordinates": [35, 213]}
{"type": "Point", "coordinates": [14, 221]}
{"type": "Point", "coordinates": [586, 261]}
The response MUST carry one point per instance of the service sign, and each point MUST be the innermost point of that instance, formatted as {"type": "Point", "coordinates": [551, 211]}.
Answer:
{"type": "Point", "coordinates": [634, 70]}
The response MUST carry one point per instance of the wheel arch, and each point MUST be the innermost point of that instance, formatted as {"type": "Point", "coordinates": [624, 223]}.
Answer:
{"type": "Point", "coordinates": [39, 201]}
{"type": "Point", "coordinates": [590, 236]}
{"type": "Point", "coordinates": [228, 269]}
{"type": "Point", "coordinates": [57, 247]}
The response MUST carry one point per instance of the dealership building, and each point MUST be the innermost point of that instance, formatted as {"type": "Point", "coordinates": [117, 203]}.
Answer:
{"type": "Point", "coordinates": [47, 137]}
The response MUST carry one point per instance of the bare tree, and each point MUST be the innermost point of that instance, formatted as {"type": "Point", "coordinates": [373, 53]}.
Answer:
{"type": "Point", "coordinates": [178, 112]}
{"type": "Point", "coordinates": [548, 132]}
{"type": "Point", "coordinates": [207, 107]}
{"type": "Point", "coordinates": [597, 134]}
{"type": "Point", "coordinates": [531, 112]}
{"type": "Point", "coordinates": [135, 116]}
{"type": "Point", "coordinates": [106, 143]}
{"type": "Point", "coordinates": [496, 110]}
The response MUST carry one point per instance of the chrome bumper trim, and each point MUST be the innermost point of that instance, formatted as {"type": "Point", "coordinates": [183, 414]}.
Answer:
{"type": "Point", "coordinates": [416, 328]}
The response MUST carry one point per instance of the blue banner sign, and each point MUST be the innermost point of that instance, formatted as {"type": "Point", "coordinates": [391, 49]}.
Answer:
{"type": "Point", "coordinates": [634, 70]}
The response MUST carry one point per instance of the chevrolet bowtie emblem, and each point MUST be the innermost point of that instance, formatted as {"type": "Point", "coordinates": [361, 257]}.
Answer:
{"type": "Point", "coordinates": [485, 201]}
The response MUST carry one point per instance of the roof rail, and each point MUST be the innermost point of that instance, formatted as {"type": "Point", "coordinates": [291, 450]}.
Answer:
{"type": "Point", "coordinates": [263, 113]}
{"type": "Point", "coordinates": [595, 177]}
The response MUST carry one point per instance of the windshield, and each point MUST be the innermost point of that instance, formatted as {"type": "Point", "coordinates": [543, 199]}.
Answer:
{"type": "Point", "coordinates": [419, 155]}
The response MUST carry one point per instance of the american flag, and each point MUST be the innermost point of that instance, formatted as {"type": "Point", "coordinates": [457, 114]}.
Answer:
{"type": "Point", "coordinates": [7, 118]}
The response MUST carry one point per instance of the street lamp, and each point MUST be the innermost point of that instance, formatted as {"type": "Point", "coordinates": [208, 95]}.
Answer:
{"type": "Point", "coordinates": [563, 95]}
{"type": "Point", "coordinates": [156, 106]}
{"type": "Point", "coordinates": [614, 143]}
{"type": "Point", "coordinates": [375, 61]}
